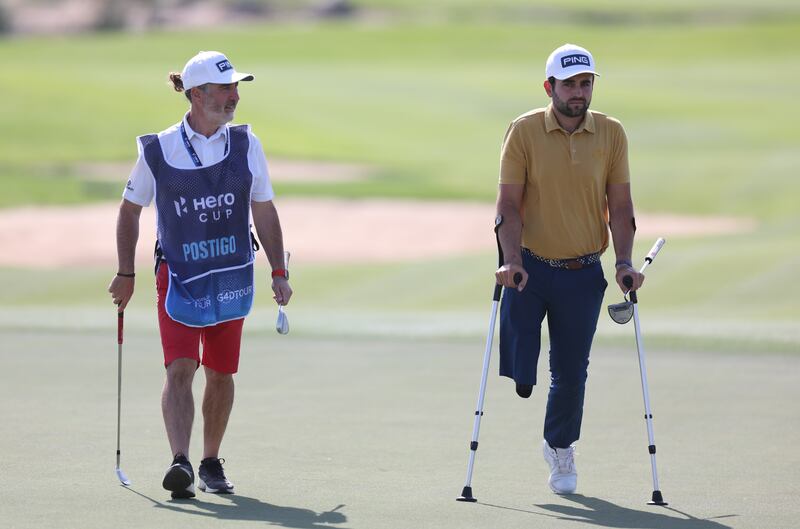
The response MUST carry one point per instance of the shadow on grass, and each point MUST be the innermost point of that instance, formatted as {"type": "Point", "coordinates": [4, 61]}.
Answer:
{"type": "Point", "coordinates": [238, 507]}
{"type": "Point", "coordinates": [603, 513]}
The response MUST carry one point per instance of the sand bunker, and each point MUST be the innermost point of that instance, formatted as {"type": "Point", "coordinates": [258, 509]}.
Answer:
{"type": "Point", "coordinates": [315, 231]}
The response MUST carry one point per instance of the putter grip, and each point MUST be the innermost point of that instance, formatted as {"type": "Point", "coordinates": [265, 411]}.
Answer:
{"type": "Point", "coordinates": [120, 325]}
{"type": "Point", "coordinates": [655, 249]}
{"type": "Point", "coordinates": [517, 278]}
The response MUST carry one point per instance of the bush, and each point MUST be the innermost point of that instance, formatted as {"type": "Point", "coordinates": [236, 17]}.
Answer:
{"type": "Point", "coordinates": [335, 9]}
{"type": "Point", "coordinates": [5, 20]}
{"type": "Point", "coordinates": [257, 8]}
{"type": "Point", "coordinates": [111, 16]}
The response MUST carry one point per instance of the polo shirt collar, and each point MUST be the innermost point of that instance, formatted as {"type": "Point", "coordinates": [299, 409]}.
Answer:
{"type": "Point", "coordinates": [221, 132]}
{"type": "Point", "coordinates": [551, 123]}
{"type": "Point", "coordinates": [588, 122]}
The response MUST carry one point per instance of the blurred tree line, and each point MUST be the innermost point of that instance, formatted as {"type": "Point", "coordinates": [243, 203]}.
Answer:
{"type": "Point", "coordinates": [112, 15]}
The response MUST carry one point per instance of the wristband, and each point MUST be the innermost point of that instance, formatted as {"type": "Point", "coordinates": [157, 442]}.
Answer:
{"type": "Point", "coordinates": [621, 262]}
{"type": "Point", "coordinates": [132, 274]}
{"type": "Point", "coordinates": [280, 272]}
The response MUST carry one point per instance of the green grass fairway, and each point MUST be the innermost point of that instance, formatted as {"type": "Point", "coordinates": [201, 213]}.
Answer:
{"type": "Point", "coordinates": [754, 312]}
{"type": "Point", "coordinates": [425, 105]}
{"type": "Point", "coordinates": [373, 434]}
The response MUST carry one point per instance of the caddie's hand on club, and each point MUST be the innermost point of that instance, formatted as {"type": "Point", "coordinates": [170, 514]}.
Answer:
{"type": "Point", "coordinates": [505, 276]}
{"type": "Point", "coordinates": [121, 289]}
{"type": "Point", "coordinates": [282, 290]}
{"type": "Point", "coordinates": [625, 270]}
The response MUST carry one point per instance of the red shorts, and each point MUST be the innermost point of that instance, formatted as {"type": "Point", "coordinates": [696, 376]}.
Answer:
{"type": "Point", "coordinates": [221, 342]}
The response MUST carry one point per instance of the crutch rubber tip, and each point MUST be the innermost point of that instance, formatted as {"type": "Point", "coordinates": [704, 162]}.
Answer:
{"type": "Point", "coordinates": [657, 499]}
{"type": "Point", "coordinates": [466, 495]}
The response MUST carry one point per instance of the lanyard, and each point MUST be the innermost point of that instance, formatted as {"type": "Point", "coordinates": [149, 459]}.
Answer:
{"type": "Point", "coordinates": [192, 153]}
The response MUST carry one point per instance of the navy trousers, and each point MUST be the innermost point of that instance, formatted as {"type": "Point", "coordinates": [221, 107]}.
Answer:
{"type": "Point", "coordinates": [571, 300]}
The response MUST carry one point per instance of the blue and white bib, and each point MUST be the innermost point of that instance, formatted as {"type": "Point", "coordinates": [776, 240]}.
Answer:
{"type": "Point", "coordinates": [204, 233]}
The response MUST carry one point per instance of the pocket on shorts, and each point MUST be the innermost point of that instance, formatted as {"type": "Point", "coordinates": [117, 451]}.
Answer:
{"type": "Point", "coordinates": [162, 279]}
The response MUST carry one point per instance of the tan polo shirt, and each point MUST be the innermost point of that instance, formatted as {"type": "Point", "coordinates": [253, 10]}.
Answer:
{"type": "Point", "coordinates": [565, 213]}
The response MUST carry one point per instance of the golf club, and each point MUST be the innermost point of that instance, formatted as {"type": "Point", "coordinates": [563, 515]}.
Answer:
{"type": "Point", "coordinates": [619, 313]}
{"type": "Point", "coordinates": [466, 492]}
{"type": "Point", "coordinates": [282, 323]}
{"type": "Point", "coordinates": [120, 324]}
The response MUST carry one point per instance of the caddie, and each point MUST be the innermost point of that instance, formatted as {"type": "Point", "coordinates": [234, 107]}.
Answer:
{"type": "Point", "coordinates": [564, 180]}
{"type": "Point", "coordinates": [209, 180]}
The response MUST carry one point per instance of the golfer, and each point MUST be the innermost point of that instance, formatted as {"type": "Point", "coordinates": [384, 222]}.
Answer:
{"type": "Point", "coordinates": [563, 180]}
{"type": "Point", "coordinates": [209, 180]}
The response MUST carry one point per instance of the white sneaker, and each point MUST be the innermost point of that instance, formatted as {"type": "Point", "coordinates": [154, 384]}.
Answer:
{"type": "Point", "coordinates": [563, 475]}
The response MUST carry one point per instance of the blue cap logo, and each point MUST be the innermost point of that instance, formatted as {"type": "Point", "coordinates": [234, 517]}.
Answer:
{"type": "Point", "coordinates": [224, 65]}
{"type": "Point", "coordinates": [576, 59]}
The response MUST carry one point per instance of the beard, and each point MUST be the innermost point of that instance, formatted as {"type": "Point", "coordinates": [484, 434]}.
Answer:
{"type": "Point", "coordinates": [219, 113]}
{"type": "Point", "coordinates": [568, 108]}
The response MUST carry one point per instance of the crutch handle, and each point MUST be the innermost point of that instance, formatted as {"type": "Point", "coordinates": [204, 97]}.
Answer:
{"type": "Point", "coordinates": [628, 282]}
{"type": "Point", "coordinates": [654, 250]}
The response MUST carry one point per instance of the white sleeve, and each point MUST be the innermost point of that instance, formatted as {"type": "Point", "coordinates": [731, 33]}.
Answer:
{"type": "Point", "coordinates": [140, 188]}
{"type": "Point", "coordinates": [262, 187]}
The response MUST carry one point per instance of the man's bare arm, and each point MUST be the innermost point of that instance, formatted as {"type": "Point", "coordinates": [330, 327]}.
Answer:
{"type": "Point", "coordinates": [623, 227]}
{"type": "Point", "coordinates": [121, 288]}
{"type": "Point", "coordinates": [268, 228]}
{"type": "Point", "coordinates": [509, 205]}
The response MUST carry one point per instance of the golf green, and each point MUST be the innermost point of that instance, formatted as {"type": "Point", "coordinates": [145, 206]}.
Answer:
{"type": "Point", "coordinates": [373, 434]}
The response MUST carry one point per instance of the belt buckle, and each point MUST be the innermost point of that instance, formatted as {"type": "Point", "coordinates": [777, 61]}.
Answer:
{"type": "Point", "coordinates": [574, 264]}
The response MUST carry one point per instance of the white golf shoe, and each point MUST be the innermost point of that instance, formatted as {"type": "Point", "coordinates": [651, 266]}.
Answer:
{"type": "Point", "coordinates": [563, 475]}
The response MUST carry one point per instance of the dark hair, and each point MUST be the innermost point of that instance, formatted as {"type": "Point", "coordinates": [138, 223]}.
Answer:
{"type": "Point", "coordinates": [552, 81]}
{"type": "Point", "coordinates": [177, 84]}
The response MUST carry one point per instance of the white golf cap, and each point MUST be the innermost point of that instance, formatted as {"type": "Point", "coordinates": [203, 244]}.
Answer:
{"type": "Point", "coordinates": [211, 67]}
{"type": "Point", "coordinates": [569, 60]}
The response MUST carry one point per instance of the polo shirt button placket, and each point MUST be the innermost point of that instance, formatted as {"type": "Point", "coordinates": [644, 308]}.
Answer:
{"type": "Point", "coordinates": [207, 150]}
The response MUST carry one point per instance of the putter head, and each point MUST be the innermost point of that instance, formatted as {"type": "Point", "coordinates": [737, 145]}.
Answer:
{"type": "Point", "coordinates": [282, 323]}
{"type": "Point", "coordinates": [621, 312]}
{"type": "Point", "coordinates": [122, 477]}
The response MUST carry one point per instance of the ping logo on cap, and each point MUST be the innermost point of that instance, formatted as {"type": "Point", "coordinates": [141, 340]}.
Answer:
{"type": "Point", "coordinates": [576, 59]}
{"type": "Point", "coordinates": [224, 65]}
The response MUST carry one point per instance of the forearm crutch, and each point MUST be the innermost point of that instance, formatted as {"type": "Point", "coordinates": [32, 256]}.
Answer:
{"type": "Point", "coordinates": [466, 492]}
